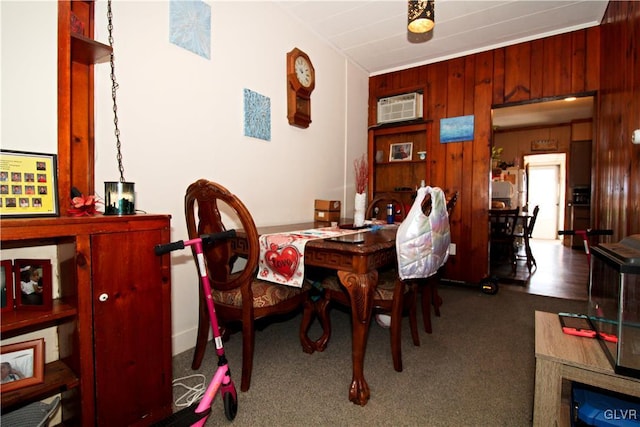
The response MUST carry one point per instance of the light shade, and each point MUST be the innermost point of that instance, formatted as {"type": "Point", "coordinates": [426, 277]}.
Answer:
{"type": "Point", "coordinates": [421, 16]}
{"type": "Point", "coordinates": [119, 198]}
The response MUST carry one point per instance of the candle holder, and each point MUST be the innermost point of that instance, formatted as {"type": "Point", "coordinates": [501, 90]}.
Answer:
{"type": "Point", "coordinates": [119, 198]}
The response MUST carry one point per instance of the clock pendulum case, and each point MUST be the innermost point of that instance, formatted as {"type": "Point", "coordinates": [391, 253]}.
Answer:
{"type": "Point", "coordinates": [301, 80]}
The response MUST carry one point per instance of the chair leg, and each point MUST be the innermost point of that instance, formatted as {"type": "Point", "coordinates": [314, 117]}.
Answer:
{"type": "Point", "coordinates": [203, 334]}
{"type": "Point", "coordinates": [426, 307]}
{"type": "Point", "coordinates": [413, 315]}
{"type": "Point", "coordinates": [436, 299]}
{"type": "Point", "coordinates": [248, 341]}
{"type": "Point", "coordinates": [396, 326]}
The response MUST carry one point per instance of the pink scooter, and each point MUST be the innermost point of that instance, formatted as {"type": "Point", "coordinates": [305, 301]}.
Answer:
{"type": "Point", "coordinates": [197, 413]}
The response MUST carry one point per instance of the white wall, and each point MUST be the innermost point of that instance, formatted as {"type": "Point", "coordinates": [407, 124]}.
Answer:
{"type": "Point", "coordinates": [181, 117]}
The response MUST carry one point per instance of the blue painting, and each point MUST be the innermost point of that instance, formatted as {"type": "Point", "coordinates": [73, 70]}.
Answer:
{"type": "Point", "coordinates": [257, 115]}
{"type": "Point", "coordinates": [190, 26]}
{"type": "Point", "coordinates": [456, 129]}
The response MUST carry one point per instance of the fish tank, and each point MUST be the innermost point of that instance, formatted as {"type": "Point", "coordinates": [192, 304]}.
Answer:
{"type": "Point", "coordinates": [614, 302]}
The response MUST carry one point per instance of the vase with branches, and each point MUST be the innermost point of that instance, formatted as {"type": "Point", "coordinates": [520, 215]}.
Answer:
{"type": "Point", "coordinates": [362, 174]}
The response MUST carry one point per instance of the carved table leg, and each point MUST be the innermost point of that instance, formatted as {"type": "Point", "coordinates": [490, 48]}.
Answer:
{"type": "Point", "coordinates": [361, 288]}
{"type": "Point", "coordinates": [307, 316]}
{"type": "Point", "coordinates": [313, 309]}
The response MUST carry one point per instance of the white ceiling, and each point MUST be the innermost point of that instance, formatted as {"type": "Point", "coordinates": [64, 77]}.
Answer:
{"type": "Point", "coordinates": [549, 112]}
{"type": "Point", "coordinates": [373, 34]}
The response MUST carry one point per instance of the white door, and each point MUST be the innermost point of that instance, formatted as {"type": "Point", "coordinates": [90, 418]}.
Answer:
{"type": "Point", "coordinates": [544, 191]}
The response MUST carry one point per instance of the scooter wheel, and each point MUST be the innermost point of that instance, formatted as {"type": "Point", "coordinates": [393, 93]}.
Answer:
{"type": "Point", "coordinates": [489, 286]}
{"type": "Point", "coordinates": [230, 406]}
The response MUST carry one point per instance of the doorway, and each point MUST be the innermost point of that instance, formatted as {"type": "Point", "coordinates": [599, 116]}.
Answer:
{"type": "Point", "coordinates": [546, 181]}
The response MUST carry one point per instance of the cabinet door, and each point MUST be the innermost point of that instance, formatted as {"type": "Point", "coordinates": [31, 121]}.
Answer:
{"type": "Point", "coordinates": [132, 332]}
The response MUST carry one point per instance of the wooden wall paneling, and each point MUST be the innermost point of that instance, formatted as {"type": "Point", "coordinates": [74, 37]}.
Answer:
{"type": "Point", "coordinates": [550, 73]}
{"type": "Point", "coordinates": [456, 95]}
{"type": "Point", "coordinates": [578, 62]}
{"type": "Point", "coordinates": [517, 73]}
{"type": "Point", "coordinates": [537, 69]}
{"type": "Point", "coordinates": [498, 76]}
{"type": "Point", "coordinates": [554, 66]}
{"type": "Point", "coordinates": [617, 159]}
{"type": "Point", "coordinates": [592, 59]}
{"type": "Point", "coordinates": [436, 153]}
{"type": "Point", "coordinates": [478, 200]}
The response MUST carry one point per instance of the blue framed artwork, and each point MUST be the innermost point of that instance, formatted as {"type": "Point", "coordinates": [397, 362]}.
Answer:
{"type": "Point", "coordinates": [257, 115]}
{"type": "Point", "coordinates": [456, 129]}
{"type": "Point", "coordinates": [190, 26]}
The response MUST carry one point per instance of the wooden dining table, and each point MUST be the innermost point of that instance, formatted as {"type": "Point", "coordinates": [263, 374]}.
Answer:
{"type": "Point", "coordinates": [359, 265]}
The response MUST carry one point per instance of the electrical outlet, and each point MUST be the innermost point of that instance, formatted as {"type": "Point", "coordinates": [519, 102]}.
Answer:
{"type": "Point", "coordinates": [452, 248]}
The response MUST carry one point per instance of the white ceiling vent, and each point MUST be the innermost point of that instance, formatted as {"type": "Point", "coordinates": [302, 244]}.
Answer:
{"type": "Point", "coordinates": [400, 108]}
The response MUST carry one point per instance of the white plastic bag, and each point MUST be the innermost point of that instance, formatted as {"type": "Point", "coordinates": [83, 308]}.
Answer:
{"type": "Point", "coordinates": [422, 242]}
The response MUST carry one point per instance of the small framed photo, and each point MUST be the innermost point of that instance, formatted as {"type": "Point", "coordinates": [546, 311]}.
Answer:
{"type": "Point", "coordinates": [6, 291]}
{"type": "Point", "coordinates": [22, 364]}
{"type": "Point", "coordinates": [33, 284]}
{"type": "Point", "coordinates": [28, 184]}
{"type": "Point", "coordinates": [401, 152]}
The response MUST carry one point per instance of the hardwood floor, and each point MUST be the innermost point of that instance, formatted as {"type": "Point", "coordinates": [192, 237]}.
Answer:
{"type": "Point", "coordinates": [561, 272]}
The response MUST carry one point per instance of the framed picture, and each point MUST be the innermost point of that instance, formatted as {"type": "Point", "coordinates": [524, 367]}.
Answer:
{"type": "Point", "coordinates": [400, 152]}
{"type": "Point", "coordinates": [33, 284]}
{"type": "Point", "coordinates": [28, 186]}
{"type": "Point", "coordinates": [544, 145]}
{"type": "Point", "coordinates": [6, 290]}
{"type": "Point", "coordinates": [22, 364]}
{"type": "Point", "coordinates": [456, 129]}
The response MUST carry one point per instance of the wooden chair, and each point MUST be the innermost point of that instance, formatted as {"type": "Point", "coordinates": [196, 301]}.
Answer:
{"type": "Point", "coordinates": [378, 207]}
{"type": "Point", "coordinates": [239, 297]}
{"type": "Point", "coordinates": [429, 294]}
{"type": "Point", "coordinates": [525, 234]}
{"type": "Point", "coordinates": [503, 235]}
{"type": "Point", "coordinates": [392, 296]}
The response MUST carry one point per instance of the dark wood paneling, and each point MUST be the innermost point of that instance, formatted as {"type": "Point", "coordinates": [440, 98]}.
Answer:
{"type": "Point", "coordinates": [617, 162]}
{"type": "Point", "coordinates": [517, 74]}
{"type": "Point", "coordinates": [471, 85]}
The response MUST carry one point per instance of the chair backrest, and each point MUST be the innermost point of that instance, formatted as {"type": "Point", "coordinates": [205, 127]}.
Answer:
{"type": "Point", "coordinates": [532, 222]}
{"type": "Point", "coordinates": [451, 203]}
{"type": "Point", "coordinates": [503, 222]}
{"type": "Point", "coordinates": [203, 203]}
{"type": "Point", "coordinates": [378, 207]}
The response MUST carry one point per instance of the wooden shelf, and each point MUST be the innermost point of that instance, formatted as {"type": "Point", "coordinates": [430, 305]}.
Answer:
{"type": "Point", "coordinates": [58, 377]}
{"type": "Point", "coordinates": [20, 321]}
{"type": "Point", "coordinates": [88, 51]}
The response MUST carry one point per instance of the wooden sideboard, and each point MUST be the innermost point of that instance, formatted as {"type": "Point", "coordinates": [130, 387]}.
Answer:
{"type": "Point", "coordinates": [112, 316]}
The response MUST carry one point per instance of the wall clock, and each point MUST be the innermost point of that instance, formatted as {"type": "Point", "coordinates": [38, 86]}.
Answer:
{"type": "Point", "coordinates": [301, 80]}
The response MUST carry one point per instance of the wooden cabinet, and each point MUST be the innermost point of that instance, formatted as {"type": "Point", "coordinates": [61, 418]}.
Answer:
{"type": "Point", "coordinates": [400, 176]}
{"type": "Point", "coordinates": [113, 318]}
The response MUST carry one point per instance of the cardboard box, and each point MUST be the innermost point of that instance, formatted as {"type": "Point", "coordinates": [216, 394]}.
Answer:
{"type": "Point", "coordinates": [327, 205]}
{"type": "Point", "coordinates": [326, 216]}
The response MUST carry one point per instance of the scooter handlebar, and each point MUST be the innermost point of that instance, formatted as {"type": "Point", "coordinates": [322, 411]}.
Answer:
{"type": "Point", "coordinates": [205, 238]}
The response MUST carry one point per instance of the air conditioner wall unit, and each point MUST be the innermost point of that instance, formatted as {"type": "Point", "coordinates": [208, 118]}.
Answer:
{"type": "Point", "coordinates": [399, 108]}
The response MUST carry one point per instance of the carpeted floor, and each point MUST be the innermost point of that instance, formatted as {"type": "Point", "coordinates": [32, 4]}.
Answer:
{"type": "Point", "coordinates": [476, 369]}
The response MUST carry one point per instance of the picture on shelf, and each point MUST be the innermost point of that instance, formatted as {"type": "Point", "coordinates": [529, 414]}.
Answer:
{"type": "Point", "coordinates": [33, 284]}
{"type": "Point", "coordinates": [22, 364]}
{"type": "Point", "coordinates": [6, 287]}
{"type": "Point", "coordinates": [401, 152]}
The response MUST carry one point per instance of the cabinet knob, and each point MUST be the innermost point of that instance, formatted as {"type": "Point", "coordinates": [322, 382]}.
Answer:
{"type": "Point", "coordinates": [103, 297]}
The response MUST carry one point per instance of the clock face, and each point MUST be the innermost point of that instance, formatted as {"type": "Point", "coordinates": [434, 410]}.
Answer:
{"type": "Point", "coordinates": [303, 71]}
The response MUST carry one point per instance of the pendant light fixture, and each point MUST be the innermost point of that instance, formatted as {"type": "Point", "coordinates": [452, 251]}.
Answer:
{"type": "Point", "coordinates": [119, 196]}
{"type": "Point", "coordinates": [421, 17]}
